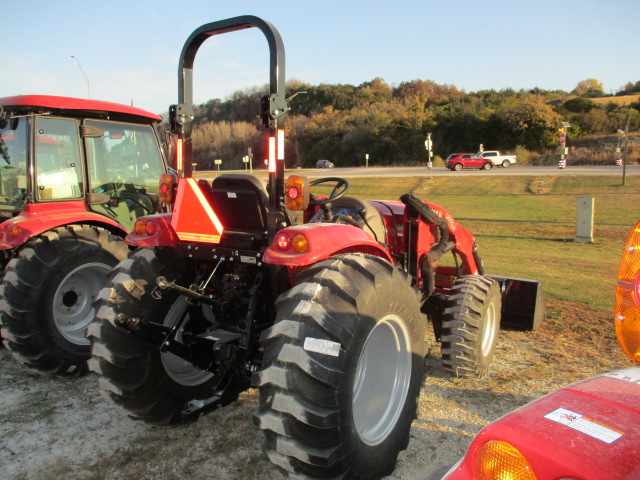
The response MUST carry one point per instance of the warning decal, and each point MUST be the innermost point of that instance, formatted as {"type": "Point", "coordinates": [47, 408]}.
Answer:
{"type": "Point", "coordinates": [585, 425]}
{"type": "Point", "coordinates": [325, 347]}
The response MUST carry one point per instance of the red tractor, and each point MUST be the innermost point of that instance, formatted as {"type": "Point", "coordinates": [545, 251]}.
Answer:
{"type": "Point", "coordinates": [326, 318]}
{"type": "Point", "coordinates": [74, 176]}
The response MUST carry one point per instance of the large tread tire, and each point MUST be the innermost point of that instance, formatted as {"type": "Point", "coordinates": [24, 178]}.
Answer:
{"type": "Point", "coordinates": [134, 375]}
{"type": "Point", "coordinates": [47, 295]}
{"type": "Point", "coordinates": [470, 326]}
{"type": "Point", "coordinates": [342, 370]}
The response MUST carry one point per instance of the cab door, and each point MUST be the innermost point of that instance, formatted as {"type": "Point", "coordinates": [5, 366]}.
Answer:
{"type": "Point", "coordinates": [125, 163]}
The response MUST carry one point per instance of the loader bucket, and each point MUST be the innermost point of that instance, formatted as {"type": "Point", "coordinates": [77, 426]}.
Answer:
{"type": "Point", "coordinates": [522, 303]}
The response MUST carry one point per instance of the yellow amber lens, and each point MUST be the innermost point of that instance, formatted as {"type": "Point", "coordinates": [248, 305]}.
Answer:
{"type": "Point", "coordinates": [498, 460]}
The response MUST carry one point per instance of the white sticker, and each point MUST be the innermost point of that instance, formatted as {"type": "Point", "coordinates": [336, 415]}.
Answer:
{"type": "Point", "coordinates": [246, 259]}
{"type": "Point", "coordinates": [585, 425]}
{"type": "Point", "coordinates": [232, 195]}
{"type": "Point", "coordinates": [325, 347]}
{"type": "Point", "coordinates": [631, 375]}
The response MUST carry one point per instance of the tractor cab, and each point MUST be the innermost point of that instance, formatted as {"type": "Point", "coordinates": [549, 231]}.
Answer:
{"type": "Point", "coordinates": [74, 177]}
{"type": "Point", "coordinates": [102, 157]}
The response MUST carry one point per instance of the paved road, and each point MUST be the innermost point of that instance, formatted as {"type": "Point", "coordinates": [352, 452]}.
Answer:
{"type": "Point", "coordinates": [352, 172]}
{"type": "Point", "coordinates": [437, 171]}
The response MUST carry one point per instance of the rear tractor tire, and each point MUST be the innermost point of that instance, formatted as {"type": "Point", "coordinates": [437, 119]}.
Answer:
{"type": "Point", "coordinates": [470, 326]}
{"type": "Point", "coordinates": [342, 370]}
{"type": "Point", "coordinates": [48, 291]}
{"type": "Point", "coordinates": [140, 380]}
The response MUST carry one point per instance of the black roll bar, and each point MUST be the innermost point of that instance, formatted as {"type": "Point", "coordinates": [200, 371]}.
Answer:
{"type": "Point", "coordinates": [273, 109]}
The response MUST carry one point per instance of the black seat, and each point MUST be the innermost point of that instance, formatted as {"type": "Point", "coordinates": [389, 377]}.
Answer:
{"type": "Point", "coordinates": [240, 202]}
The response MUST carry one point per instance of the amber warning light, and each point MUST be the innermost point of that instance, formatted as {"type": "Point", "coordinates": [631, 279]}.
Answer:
{"type": "Point", "coordinates": [167, 188]}
{"type": "Point", "coordinates": [297, 193]}
{"type": "Point", "coordinates": [627, 308]}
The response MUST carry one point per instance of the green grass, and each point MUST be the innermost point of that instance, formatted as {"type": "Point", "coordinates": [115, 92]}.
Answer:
{"type": "Point", "coordinates": [525, 226]}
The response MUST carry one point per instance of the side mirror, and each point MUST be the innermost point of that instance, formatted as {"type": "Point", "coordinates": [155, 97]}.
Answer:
{"type": "Point", "coordinates": [95, 198]}
{"type": "Point", "coordinates": [90, 131]}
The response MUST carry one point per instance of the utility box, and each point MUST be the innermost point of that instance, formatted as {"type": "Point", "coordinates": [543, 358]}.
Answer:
{"type": "Point", "coordinates": [584, 220]}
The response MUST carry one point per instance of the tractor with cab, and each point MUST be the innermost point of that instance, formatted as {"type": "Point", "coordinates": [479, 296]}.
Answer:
{"type": "Point", "coordinates": [75, 175]}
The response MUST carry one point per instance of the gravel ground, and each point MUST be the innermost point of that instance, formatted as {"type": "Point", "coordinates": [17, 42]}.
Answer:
{"type": "Point", "coordinates": [53, 428]}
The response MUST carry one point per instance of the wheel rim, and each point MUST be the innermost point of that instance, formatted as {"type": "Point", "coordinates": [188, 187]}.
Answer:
{"type": "Point", "coordinates": [489, 329]}
{"type": "Point", "coordinates": [73, 300]}
{"type": "Point", "coordinates": [178, 369]}
{"type": "Point", "coordinates": [382, 380]}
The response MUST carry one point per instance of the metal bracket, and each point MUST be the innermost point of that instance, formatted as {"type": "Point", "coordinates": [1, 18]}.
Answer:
{"type": "Point", "coordinates": [273, 107]}
{"type": "Point", "coordinates": [179, 116]}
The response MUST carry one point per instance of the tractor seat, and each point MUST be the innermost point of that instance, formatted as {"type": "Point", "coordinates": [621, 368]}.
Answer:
{"type": "Point", "coordinates": [240, 202]}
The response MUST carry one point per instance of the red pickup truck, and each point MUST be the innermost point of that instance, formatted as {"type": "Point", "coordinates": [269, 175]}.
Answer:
{"type": "Point", "coordinates": [458, 161]}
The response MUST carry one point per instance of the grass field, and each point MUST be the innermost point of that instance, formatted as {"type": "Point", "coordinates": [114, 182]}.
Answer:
{"type": "Point", "coordinates": [525, 226]}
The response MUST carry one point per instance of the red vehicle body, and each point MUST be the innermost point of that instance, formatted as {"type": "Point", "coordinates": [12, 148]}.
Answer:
{"type": "Point", "coordinates": [458, 161]}
{"type": "Point", "coordinates": [589, 430]}
{"type": "Point", "coordinates": [75, 174]}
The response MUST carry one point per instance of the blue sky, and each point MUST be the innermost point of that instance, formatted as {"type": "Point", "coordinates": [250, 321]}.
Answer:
{"type": "Point", "coordinates": [130, 49]}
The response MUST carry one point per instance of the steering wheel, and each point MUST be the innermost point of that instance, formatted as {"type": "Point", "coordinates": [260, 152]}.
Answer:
{"type": "Point", "coordinates": [341, 187]}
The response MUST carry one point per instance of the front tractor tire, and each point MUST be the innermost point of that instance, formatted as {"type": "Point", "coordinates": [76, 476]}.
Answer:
{"type": "Point", "coordinates": [470, 326]}
{"type": "Point", "coordinates": [47, 294]}
{"type": "Point", "coordinates": [140, 380]}
{"type": "Point", "coordinates": [342, 370]}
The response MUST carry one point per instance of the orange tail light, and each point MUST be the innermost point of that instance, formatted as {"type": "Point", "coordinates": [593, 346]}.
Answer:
{"type": "Point", "coordinates": [627, 308]}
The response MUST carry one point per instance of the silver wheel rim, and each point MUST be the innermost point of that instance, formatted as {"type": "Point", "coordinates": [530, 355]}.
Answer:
{"type": "Point", "coordinates": [490, 329]}
{"type": "Point", "coordinates": [73, 300]}
{"type": "Point", "coordinates": [178, 369]}
{"type": "Point", "coordinates": [382, 380]}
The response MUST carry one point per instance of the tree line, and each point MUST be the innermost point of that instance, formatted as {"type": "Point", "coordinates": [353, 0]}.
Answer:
{"type": "Point", "coordinates": [390, 123]}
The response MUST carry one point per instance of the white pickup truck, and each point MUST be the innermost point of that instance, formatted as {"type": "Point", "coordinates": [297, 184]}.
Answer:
{"type": "Point", "coordinates": [497, 159]}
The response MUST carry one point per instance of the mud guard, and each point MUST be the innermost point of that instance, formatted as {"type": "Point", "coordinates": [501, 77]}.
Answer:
{"type": "Point", "coordinates": [324, 240]}
{"type": "Point", "coordinates": [160, 234]}
{"type": "Point", "coordinates": [522, 303]}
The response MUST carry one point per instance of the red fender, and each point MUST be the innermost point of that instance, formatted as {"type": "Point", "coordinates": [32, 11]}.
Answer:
{"type": "Point", "coordinates": [158, 232]}
{"type": "Point", "coordinates": [324, 240]}
{"type": "Point", "coordinates": [36, 218]}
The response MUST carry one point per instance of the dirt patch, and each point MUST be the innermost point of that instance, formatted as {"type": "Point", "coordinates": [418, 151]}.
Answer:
{"type": "Point", "coordinates": [541, 185]}
{"type": "Point", "coordinates": [63, 428]}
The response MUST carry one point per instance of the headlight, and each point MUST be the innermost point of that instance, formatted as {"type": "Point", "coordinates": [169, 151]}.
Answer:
{"type": "Point", "coordinates": [498, 460]}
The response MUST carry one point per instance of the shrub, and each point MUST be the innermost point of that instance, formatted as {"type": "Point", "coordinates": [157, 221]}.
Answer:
{"type": "Point", "coordinates": [523, 155]}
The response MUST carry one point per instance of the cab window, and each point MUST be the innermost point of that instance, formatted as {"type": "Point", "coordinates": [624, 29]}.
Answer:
{"type": "Point", "coordinates": [125, 163]}
{"type": "Point", "coordinates": [57, 159]}
{"type": "Point", "coordinates": [13, 164]}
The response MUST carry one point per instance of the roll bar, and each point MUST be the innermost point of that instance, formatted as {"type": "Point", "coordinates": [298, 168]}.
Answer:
{"type": "Point", "coordinates": [273, 107]}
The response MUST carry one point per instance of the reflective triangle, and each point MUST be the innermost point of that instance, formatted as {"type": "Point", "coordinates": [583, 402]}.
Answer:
{"type": "Point", "coordinates": [193, 217]}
